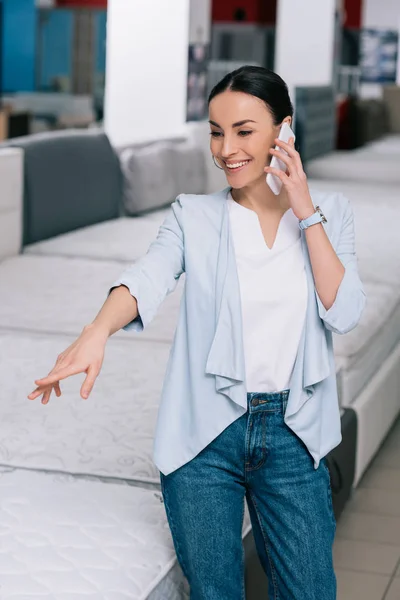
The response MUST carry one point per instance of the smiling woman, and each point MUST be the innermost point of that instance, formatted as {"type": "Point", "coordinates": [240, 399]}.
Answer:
{"type": "Point", "coordinates": [241, 145]}
{"type": "Point", "coordinates": [249, 407]}
{"type": "Point", "coordinates": [277, 286]}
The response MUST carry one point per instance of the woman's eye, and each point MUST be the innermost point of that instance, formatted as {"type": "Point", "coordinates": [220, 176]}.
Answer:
{"type": "Point", "coordinates": [215, 133]}
{"type": "Point", "coordinates": [244, 133]}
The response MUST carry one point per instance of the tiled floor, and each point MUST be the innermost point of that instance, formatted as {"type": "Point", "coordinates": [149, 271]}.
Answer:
{"type": "Point", "coordinates": [367, 545]}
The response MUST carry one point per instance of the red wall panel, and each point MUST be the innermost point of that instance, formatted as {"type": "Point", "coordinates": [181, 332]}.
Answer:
{"type": "Point", "coordinates": [81, 3]}
{"type": "Point", "coordinates": [257, 11]}
{"type": "Point", "coordinates": [353, 15]}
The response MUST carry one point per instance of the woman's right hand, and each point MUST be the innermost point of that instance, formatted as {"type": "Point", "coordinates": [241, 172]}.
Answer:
{"type": "Point", "coordinates": [85, 355]}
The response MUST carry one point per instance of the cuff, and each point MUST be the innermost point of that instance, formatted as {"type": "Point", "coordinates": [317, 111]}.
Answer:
{"type": "Point", "coordinates": [142, 319]}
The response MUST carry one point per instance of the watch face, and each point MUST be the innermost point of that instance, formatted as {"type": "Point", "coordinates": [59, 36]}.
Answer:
{"type": "Point", "coordinates": [324, 220]}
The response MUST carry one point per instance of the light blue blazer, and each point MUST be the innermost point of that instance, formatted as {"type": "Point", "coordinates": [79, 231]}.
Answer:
{"type": "Point", "coordinates": [204, 387]}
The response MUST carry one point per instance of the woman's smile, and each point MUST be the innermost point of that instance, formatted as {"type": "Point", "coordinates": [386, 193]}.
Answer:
{"type": "Point", "coordinates": [235, 166]}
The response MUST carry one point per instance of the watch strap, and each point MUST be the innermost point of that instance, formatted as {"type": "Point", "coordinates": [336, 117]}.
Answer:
{"type": "Point", "coordinates": [316, 217]}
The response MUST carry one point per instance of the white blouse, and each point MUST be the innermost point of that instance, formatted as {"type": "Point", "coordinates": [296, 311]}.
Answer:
{"type": "Point", "coordinates": [273, 289]}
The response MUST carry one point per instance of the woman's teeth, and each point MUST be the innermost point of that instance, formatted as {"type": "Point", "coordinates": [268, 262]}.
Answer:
{"type": "Point", "coordinates": [237, 165]}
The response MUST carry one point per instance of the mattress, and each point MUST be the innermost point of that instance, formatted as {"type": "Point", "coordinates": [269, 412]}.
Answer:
{"type": "Point", "coordinates": [124, 239]}
{"type": "Point", "coordinates": [61, 295]}
{"type": "Point", "coordinates": [376, 215]}
{"type": "Point", "coordinates": [110, 434]}
{"type": "Point", "coordinates": [355, 166]}
{"type": "Point", "coordinates": [363, 350]}
{"type": "Point", "coordinates": [359, 192]}
{"type": "Point", "coordinates": [389, 144]}
{"type": "Point", "coordinates": [11, 183]}
{"type": "Point", "coordinates": [64, 537]}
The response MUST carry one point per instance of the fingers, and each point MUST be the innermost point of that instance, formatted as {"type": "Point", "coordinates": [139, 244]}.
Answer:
{"type": "Point", "coordinates": [282, 176]}
{"type": "Point", "coordinates": [46, 396]}
{"type": "Point", "coordinates": [88, 384]}
{"type": "Point", "coordinates": [289, 147]}
{"type": "Point", "coordinates": [58, 374]}
{"type": "Point", "coordinates": [284, 158]}
{"type": "Point", "coordinates": [33, 395]}
{"type": "Point", "coordinates": [292, 152]}
{"type": "Point", "coordinates": [46, 392]}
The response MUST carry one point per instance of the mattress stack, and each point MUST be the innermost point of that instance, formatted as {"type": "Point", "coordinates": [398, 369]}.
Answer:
{"type": "Point", "coordinates": [82, 510]}
{"type": "Point", "coordinates": [77, 479]}
{"type": "Point", "coordinates": [369, 356]}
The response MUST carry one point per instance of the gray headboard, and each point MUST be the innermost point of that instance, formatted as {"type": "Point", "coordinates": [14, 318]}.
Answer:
{"type": "Point", "coordinates": [71, 179]}
{"type": "Point", "coordinates": [315, 121]}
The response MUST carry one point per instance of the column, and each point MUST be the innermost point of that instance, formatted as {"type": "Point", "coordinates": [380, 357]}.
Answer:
{"type": "Point", "coordinates": [305, 42]}
{"type": "Point", "coordinates": [146, 69]}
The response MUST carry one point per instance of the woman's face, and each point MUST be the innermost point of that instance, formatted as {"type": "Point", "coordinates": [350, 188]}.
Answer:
{"type": "Point", "coordinates": [242, 133]}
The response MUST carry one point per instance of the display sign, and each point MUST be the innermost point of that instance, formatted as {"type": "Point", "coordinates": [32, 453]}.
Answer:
{"type": "Point", "coordinates": [379, 55]}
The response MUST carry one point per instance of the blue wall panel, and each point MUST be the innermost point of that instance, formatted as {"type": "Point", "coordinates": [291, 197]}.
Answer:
{"type": "Point", "coordinates": [56, 45]}
{"type": "Point", "coordinates": [19, 45]}
{"type": "Point", "coordinates": [101, 23]}
{"type": "Point", "coordinates": [21, 65]}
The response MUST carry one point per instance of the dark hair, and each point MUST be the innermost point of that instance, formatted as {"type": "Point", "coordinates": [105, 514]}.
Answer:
{"type": "Point", "coordinates": [261, 83]}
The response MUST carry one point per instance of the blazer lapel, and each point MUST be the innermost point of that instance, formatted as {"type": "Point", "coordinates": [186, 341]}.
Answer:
{"type": "Point", "coordinates": [312, 361]}
{"type": "Point", "coordinates": [226, 357]}
{"type": "Point", "coordinates": [316, 356]}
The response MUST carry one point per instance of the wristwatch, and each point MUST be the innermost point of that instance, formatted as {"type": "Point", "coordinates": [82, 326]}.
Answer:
{"type": "Point", "coordinates": [317, 217]}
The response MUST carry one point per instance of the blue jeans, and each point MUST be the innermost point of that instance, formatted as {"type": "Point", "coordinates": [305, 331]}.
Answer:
{"type": "Point", "coordinates": [290, 505]}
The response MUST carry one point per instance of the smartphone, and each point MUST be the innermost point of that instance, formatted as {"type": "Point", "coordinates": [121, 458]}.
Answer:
{"type": "Point", "coordinates": [272, 180]}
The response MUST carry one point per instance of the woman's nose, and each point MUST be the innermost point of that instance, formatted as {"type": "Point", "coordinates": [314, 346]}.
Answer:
{"type": "Point", "coordinates": [228, 147]}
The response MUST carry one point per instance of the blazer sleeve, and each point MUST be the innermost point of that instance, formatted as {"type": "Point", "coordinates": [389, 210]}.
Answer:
{"type": "Point", "coordinates": [155, 275]}
{"type": "Point", "coordinates": [346, 311]}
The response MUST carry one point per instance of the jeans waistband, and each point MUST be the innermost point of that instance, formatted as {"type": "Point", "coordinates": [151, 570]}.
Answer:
{"type": "Point", "coordinates": [267, 400]}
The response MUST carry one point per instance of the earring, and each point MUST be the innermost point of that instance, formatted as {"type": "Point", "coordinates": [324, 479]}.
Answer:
{"type": "Point", "coordinates": [216, 164]}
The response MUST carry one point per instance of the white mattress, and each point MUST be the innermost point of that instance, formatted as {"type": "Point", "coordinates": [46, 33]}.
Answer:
{"type": "Point", "coordinates": [390, 144]}
{"type": "Point", "coordinates": [356, 166]}
{"type": "Point", "coordinates": [376, 217]}
{"type": "Point", "coordinates": [61, 295]}
{"type": "Point", "coordinates": [110, 434]}
{"type": "Point", "coordinates": [11, 184]}
{"type": "Point", "coordinates": [359, 192]}
{"type": "Point", "coordinates": [362, 351]}
{"type": "Point", "coordinates": [124, 239]}
{"type": "Point", "coordinates": [63, 537]}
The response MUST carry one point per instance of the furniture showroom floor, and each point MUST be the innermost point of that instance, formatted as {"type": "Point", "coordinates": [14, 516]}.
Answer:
{"type": "Point", "coordinates": [367, 544]}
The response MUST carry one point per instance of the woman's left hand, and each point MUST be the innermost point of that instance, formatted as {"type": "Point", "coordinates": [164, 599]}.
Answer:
{"type": "Point", "coordinates": [294, 180]}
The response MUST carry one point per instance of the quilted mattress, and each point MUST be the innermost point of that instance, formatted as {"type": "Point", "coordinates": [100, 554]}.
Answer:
{"type": "Point", "coordinates": [64, 537]}
{"type": "Point", "coordinates": [124, 239]}
{"type": "Point", "coordinates": [362, 351]}
{"type": "Point", "coordinates": [62, 294]}
{"type": "Point", "coordinates": [110, 434]}
{"type": "Point", "coordinates": [356, 166]}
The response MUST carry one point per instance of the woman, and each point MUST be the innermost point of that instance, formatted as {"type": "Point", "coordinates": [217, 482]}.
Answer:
{"type": "Point", "coordinates": [249, 406]}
